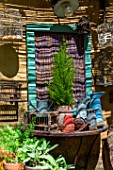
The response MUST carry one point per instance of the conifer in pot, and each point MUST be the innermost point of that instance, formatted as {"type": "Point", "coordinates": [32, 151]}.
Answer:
{"type": "Point", "coordinates": [61, 87]}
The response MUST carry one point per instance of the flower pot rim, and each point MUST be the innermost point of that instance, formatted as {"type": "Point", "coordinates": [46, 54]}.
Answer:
{"type": "Point", "coordinates": [31, 167]}
{"type": "Point", "coordinates": [13, 166]}
{"type": "Point", "coordinates": [98, 92]}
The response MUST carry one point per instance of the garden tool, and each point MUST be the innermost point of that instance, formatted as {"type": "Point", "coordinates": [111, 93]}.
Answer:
{"type": "Point", "coordinates": [42, 106]}
{"type": "Point", "coordinates": [29, 103]}
{"type": "Point", "coordinates": [96, 103]}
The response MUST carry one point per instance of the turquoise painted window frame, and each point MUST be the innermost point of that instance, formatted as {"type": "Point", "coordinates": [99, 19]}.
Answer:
{"type": "Point", "coordinates": [31, 67]}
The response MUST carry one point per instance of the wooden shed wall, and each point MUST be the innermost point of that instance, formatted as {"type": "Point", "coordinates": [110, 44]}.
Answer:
{"type": "Point", "coordinates": [40, 11]}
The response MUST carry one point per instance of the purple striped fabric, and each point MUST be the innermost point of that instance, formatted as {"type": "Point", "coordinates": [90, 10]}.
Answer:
{"type": "Point", "coordinates": [46, 44]}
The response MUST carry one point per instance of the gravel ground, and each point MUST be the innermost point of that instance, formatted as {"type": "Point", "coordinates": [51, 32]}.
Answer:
{"type": "Point", "coordinates": [100, 163]}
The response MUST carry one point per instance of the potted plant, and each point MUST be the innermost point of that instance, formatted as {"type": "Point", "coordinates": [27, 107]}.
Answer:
{"type": "Point", "coordinates": [9, 144]}
{"type": "Point", "coordinates": [33, 151]}
{"type": "Point", "coordinates": [61, 87]}
{"type": "Point", "coordinates": [37, 156]}
{"type": "Point", "coordinates": [11, 139]}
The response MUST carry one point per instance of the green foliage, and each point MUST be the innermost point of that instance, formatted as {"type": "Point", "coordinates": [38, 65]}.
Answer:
{"type": "Point", "coordinates": [17, 145]}
{"type": "Point", "coordinates": [11, 138]}
{"type": "Point", "coordinates": [49, 163]}
{"type": "Point", "coordinates": [34, 150]}
{"type": "Point", "coordinates": [24, 132]}
{"type": "Point", "coordinates": [37, 155]}
{"type": "Point", "coordinates": [60, 89]}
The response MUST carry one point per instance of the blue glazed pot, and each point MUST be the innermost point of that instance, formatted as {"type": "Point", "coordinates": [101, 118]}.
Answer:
{"type": "Point", "coordinates": [96, 103]}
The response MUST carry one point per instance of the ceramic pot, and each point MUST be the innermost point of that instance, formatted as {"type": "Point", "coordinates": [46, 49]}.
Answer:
{"type": "Point", "coordinates": [31, 168]}
{"type": "Point", "coordinates": [11, 166]}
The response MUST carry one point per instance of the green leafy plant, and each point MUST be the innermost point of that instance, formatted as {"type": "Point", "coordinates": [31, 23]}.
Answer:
{"type": "Point", "coordinates": [37, 155]}
{"type": "Point", "coordinates": [18, 145]}
{"type": "Point", "coordinates": [11, 139]}
{"type": "Point", "coordinates": [9, 142]}
{"type": "Point", "coordinates": [49, 163]}
{"type": "Point", "coordinates": [60, 88]}
{"type": "Point", "coordinates": [34, 149]}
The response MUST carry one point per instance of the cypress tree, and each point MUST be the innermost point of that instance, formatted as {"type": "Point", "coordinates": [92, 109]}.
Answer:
{"type": "Point", "coordinates": [60, 88]}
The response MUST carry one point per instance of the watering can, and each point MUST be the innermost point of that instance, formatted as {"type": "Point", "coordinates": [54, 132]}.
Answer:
{"type": "Point", "coordinates": [96, 103]}
{"type": "Point", "coordinates": [81, 111]}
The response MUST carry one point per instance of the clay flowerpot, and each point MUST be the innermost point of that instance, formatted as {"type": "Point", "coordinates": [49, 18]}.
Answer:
{"type": "Point", "coordinates": [64, 108]}
{"type": "Point", "coordinates": [11, 166]}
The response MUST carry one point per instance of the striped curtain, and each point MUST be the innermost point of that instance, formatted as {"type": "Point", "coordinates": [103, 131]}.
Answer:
{"type": "Point", "coordinates": [46, 44]}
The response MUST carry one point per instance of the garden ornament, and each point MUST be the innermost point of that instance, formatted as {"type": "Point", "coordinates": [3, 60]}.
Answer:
{"type": "Point", "coordinates": [63, 110]}
{"type": "Point", "coordinates": [96, 103]}
{"type": "Point", "coordinates": [68, 123]}
{"type": "Point", "coordinates": [84, 25]}
{"type": "Point", "coordinates": [80, 125]}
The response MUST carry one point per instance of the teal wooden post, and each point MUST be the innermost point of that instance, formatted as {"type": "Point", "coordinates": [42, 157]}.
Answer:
{"type": "Point", "coordinates": [31, 68]}
{"type": "Point", "coordinates": [88, 65]}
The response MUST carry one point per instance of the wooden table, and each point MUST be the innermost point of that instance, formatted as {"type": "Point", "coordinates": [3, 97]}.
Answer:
{"type": "Point", "coordinates": [80, 148]}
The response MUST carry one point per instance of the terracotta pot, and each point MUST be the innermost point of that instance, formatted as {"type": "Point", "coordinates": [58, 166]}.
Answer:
{"type": "Point", "coordinates": [11, 166]}
{"type": "Point", "coordinates": [64, 108]}
{"type": "Point", "coordinates": [1, 165]}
